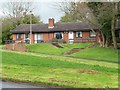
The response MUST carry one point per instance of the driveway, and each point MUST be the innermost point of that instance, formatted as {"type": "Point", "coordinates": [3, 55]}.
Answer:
{"type": "Point", "coordinates": [8, 84]}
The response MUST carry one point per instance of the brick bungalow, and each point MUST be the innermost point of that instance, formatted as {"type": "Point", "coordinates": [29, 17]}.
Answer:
{"type": "Point", "coordinates": [69, 32]}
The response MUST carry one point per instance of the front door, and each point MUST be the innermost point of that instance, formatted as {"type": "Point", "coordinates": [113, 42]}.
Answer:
{"type": "Point", "coordinates": [71, 37]}
{"type": "Point", "coordinates": [35, 38]}
{"type": "Point", "coordinates": [26, 38]}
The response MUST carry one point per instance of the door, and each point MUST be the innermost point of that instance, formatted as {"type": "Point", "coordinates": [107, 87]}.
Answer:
{"type": "Point", "coordinates": [35, 38]}
{"type": "Point", "coordinates": [71, 37]}
{"type": "Point", "coordinates": [26, 39]}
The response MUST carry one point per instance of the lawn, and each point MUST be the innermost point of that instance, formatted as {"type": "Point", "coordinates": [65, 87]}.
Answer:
{"type": "Point", "coordinates": [96, 53]}
{"type": "Point", "coordinates": [1, 46]}
{"type": "Point", "coordinates": [58, 70]}
{"type": "Point", "coordinates": [106, 54]}
{"type": "Point", "coordinates": [50, 49]}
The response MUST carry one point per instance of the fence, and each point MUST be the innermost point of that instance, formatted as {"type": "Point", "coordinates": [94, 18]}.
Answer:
{"type": "Point", "coordinates": [83, 40]}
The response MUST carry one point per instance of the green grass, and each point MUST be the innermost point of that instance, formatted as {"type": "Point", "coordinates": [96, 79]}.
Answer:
{"type": "Point", "coordinates": [107, 54]}
{"type": "Point", "coordinates": [97, 53]}
{"type": "Point", "coordinates": [1, 46]}
{"type": "Point", "coordinates": [50, 49]}
{"type": "Point", "coordinates": [58, 70]}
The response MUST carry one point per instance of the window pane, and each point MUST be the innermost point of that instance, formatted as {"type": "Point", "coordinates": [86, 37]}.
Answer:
{"type": "Point", "coordinates": [19, 36]}
{"type": "Point", "coordinates": [40, 37]}
{"type": "Point", "coordinates": [78, 34]}
{"type": "Point", "coordinates": [26, 35]}
{"type": "Point", "coordinates": [58, 35]}
{"type": "Point", "coordinates": [92, 34]}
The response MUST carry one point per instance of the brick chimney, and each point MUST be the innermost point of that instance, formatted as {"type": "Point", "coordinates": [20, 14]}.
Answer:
{"type": "Point", "coordinates": [51, 23]}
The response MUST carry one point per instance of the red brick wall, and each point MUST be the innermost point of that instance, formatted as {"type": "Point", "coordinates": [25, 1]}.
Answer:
{"type": "Point", "coordinates": [14, 36]}
{"type": "Point", "coordinates": [51, 23]}
{"type": "Point", "coordinates": [22, 37]}
{"type": "Point", "coordinates": [51, 36]}
{"type": "Point", "coordinates": [32, 38]}
{"type": "Point", "coordinates": [47, 36]}
{"type": "Point", "coordinates": [86, 34]}
{"type": "Point", "coordinates": [65, 36]}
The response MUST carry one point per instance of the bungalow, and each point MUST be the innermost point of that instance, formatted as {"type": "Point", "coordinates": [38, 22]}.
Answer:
{"type": "Point", "coordinates": [69, 32]}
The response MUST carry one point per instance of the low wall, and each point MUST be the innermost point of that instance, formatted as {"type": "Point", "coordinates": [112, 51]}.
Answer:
{"type": "Point", "coordinates": [16, 47]}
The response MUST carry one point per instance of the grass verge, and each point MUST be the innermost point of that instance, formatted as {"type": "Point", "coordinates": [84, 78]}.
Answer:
{"type": "Point", "coordinates": [50, 49]}
{"type": "Point", "coordinates": [58, 71]}
{"type": "Point", "coordinates": [106, 54]}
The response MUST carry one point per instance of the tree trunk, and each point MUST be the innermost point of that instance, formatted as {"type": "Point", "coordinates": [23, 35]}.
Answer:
{"type": "Point", "coordinates": [113, 32]}
{"type": "Point", "coordinates": [113, 25]}
{"type": "Point", "coordinates": [107, 42]}
{"type": "Point", "coordinates": [100, 39]}
{"type": "Point", "coordinates": [103, 40]}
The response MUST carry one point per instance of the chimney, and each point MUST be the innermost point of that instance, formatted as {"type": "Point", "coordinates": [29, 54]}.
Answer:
{"type": "Point", "coordinates": [51, 23]}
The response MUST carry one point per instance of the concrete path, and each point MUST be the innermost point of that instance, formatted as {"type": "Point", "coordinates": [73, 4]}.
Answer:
{"type": "Point", "coordinates": [8, 84]}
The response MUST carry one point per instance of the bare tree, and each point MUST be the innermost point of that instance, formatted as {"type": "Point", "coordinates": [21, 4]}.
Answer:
{"type": "Point", "coordinates": [81, 12]}
{"type": "Point", "coordinates": [113, 24]}
{"type": "Point", "coordinates": [16, 9]}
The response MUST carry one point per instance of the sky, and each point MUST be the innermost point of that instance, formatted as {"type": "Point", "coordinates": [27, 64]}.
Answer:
{"type": "Point", "coordinates": [44, 8]}
{"type": "Point", "coordinates": [47, 10]}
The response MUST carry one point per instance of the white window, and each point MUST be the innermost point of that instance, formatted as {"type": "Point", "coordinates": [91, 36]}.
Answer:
{"type": "Point", "coordinates": [58, 35]}
{"type": "Point", "coordinates": [92, 34]}
{"type": "Point", "coordinates": [19, 36]}
{"type": "Point", "coordinates": [78, 34]}
{"type": "Point", "coordinates": [38, 37]}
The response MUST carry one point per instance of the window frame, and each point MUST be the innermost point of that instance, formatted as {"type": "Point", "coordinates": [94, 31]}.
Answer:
{"type": "Point", "coordinates": [79, 36]}
{"type": "Point", "coordinates": [58, 33]}
{"type": "Point", "coordinates": [39, 36]}
{"type": "Point", "coordinates": [92, 34]}
{"type": "Point", "coordinates": [18, 37]}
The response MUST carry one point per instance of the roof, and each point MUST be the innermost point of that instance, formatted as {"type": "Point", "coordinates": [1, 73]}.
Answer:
{"type": "Point", "coordinates": [77, 26]}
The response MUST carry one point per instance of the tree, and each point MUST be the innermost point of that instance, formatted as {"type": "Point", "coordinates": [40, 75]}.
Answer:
{"type": "Point", "coordinates": [80, 12]}
{"type": "Point", "coordinates": [0, 31]}
{"type": "Point", "coordinates": [67, 18]}
{"type": "Point", "coordinates": [16, 9]}
{"type": "Point", "coordinates": [7, 25]}
{"type": "Point", "coordinates": [16, 13]}
{"type": "Point", "coordinates": [26, 19]}
{"type": "Point", "coordinates": [113, 24]}
{"type": "Point", "coordinates": [106, 15]}
{"type": "Point", "coordinates": [99, 14]}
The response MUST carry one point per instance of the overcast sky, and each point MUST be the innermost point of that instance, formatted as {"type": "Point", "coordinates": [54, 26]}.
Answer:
{"type": "Point", "coordinates": [45, 9]}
